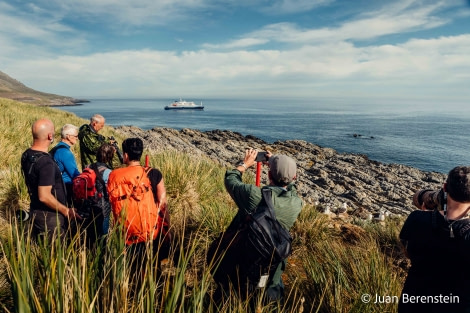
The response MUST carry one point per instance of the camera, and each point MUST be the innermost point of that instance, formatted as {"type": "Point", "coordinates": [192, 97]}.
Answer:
{"type": "Point", "coordinates": [111, 138]}
{"type": "Point", "coordinates": [432, 199]}
{"type": "Point", "coordinates": [261, 157]}
{"type": "Point", "coordinates": [116, 147]}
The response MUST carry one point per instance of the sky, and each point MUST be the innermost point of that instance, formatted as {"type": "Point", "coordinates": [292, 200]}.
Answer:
{"type": "Point", "coordinates": [413, 50]}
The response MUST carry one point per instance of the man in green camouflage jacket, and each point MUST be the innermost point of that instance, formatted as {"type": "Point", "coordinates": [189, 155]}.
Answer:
{"type": "Point", "coordinates": [90, 140]}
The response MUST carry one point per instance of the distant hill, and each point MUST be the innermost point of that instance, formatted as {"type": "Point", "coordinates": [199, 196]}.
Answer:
{"type": "Point", "coordinates": [10, 88]}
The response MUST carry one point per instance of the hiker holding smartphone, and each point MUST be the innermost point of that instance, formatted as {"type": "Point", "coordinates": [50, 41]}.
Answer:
{"type": "Point", "coordinates": [250, 199]}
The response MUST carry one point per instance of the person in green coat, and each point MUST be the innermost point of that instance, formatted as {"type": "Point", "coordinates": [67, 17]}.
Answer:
{"type": "Point", "coordinates": [90, 140]}
{"type": "Point", "coordinates": [287, 204]}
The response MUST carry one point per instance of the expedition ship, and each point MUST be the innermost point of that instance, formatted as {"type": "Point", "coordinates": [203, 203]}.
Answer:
{"type": "Point", "coordinates": [184, 105]}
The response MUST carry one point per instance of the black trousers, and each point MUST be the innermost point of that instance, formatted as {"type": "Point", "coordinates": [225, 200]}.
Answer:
{"type": "Point", "coordinates": [47, 224]}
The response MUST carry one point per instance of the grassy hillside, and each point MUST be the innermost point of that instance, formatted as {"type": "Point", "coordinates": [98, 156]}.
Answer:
{"type": "Point", "coordinates": [12, 89]}
{"type": "Point", "coordinates": [15, 129]}
{"type": "Point", "coordinates": [332, 265]}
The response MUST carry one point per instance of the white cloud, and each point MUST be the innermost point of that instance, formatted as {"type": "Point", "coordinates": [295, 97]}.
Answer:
{"type": "Point", "coordinates": [23, 28]}
{"type": "Point", "coordinates": [324, 61]}
{"type": "Point", "coordinates": [237, 44]}
{"type": "Point", "coordinates": [34, 35]}
{"type": "Point", "coordinates": [429, 66]}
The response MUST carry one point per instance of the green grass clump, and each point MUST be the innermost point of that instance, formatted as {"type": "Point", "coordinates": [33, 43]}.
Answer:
{"type": "Point", "coordinates": [339, 273]}
{"type": "Point", "coordinates": [332, 265]}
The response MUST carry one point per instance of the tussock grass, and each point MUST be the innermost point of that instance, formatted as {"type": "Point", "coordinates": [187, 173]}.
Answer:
{"type": "Point", "coordinates": [311, 226]}
{"type": "Point", "coordinates": [332, 265]}
{"type": "Point", "coordinates": [15, 129]}
{"type": "Point", "coordinates": [337, 276]}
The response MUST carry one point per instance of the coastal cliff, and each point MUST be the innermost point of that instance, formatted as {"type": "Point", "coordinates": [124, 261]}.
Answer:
{"type": "Point", "coordinates": [13, 89]}
{"type": "Point", "coordinates": [325, 177]}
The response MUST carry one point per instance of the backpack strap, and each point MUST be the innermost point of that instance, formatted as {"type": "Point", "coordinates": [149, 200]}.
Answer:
{"type": "Point", "coordinates": [146, 170]}
{"type": "Point", "coordinates": [99, 176]}
{"type": "Point", "coordinates": [54, 150]}
{"type": "Point", "coordinates": [464, 231]}
{"type": "Point", "coordinates": [33, 159]}
{"type": "Point", "coordinates": [267, 196]}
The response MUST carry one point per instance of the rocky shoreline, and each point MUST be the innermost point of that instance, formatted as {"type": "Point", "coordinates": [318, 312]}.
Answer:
{"type": "Point", "coordinates": [66, 102]}
{"type": "Point", "coordinates": [325, 177]}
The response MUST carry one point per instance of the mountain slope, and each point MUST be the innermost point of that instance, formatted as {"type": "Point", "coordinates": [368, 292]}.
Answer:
{"type": "Point", "coordinates": [10, 88]}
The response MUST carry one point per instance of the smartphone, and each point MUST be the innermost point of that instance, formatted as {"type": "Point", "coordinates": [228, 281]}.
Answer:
{"type": "Point", "coordinates": [261, 157]}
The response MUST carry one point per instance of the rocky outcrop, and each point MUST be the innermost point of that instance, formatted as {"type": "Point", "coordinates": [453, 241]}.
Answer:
{"type": "Point", "coordinates": [325, 177]}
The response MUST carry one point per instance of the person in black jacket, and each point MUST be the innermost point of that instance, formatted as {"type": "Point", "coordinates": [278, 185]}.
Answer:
{"type": "Point", "coordinates": [437, 241]}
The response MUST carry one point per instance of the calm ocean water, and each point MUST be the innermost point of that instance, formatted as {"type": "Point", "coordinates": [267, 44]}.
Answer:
{"type": "Point", "coordinates": [413, 135]}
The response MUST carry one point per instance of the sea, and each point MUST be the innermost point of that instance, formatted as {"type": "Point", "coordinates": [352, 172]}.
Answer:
{"type": "Point", "coordinates": [430, 137]}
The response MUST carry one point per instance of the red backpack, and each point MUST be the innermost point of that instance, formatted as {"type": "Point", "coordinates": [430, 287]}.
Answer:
{"type": "Point", "coordinates": [83, 186]}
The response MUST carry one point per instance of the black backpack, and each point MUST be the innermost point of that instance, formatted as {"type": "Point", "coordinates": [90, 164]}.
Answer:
{"type": "Point", "coordinates": [29, 161]}
{"type": "Point", "coordinates": [459, 229]}
{"type": "Point", "coordinates": [248, 254]}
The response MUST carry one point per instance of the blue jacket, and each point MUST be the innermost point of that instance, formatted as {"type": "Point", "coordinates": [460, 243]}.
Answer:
{"type": "Point", "coordinates": [66, 162]}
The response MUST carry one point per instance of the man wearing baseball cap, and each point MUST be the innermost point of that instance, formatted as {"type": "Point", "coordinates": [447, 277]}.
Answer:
{"type": "Point", "coordinates": [287, 204]}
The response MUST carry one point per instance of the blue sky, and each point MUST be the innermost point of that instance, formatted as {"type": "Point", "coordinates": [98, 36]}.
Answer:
{"type": "Point", "coordinates": [405, 49]}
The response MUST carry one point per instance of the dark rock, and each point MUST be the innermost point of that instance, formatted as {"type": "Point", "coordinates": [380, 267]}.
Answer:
{"type": "Point", "coordinates": [324, 175]}
{"type": "Point", "coordinates": [78, 101]}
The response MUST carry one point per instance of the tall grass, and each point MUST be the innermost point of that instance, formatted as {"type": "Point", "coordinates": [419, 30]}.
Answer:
{"type": "Point", "coordinates": [16, 119]}
{"type": "Point", "coordinates": [338, 276]}
{"type": "Point", "coordinates": [15, 129]}
{"type": "Point", "coordinates": [332, 265]}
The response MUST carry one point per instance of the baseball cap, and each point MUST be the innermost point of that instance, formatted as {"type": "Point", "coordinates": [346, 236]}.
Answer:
{"type": "Point", "coordinates": [282, 168]}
